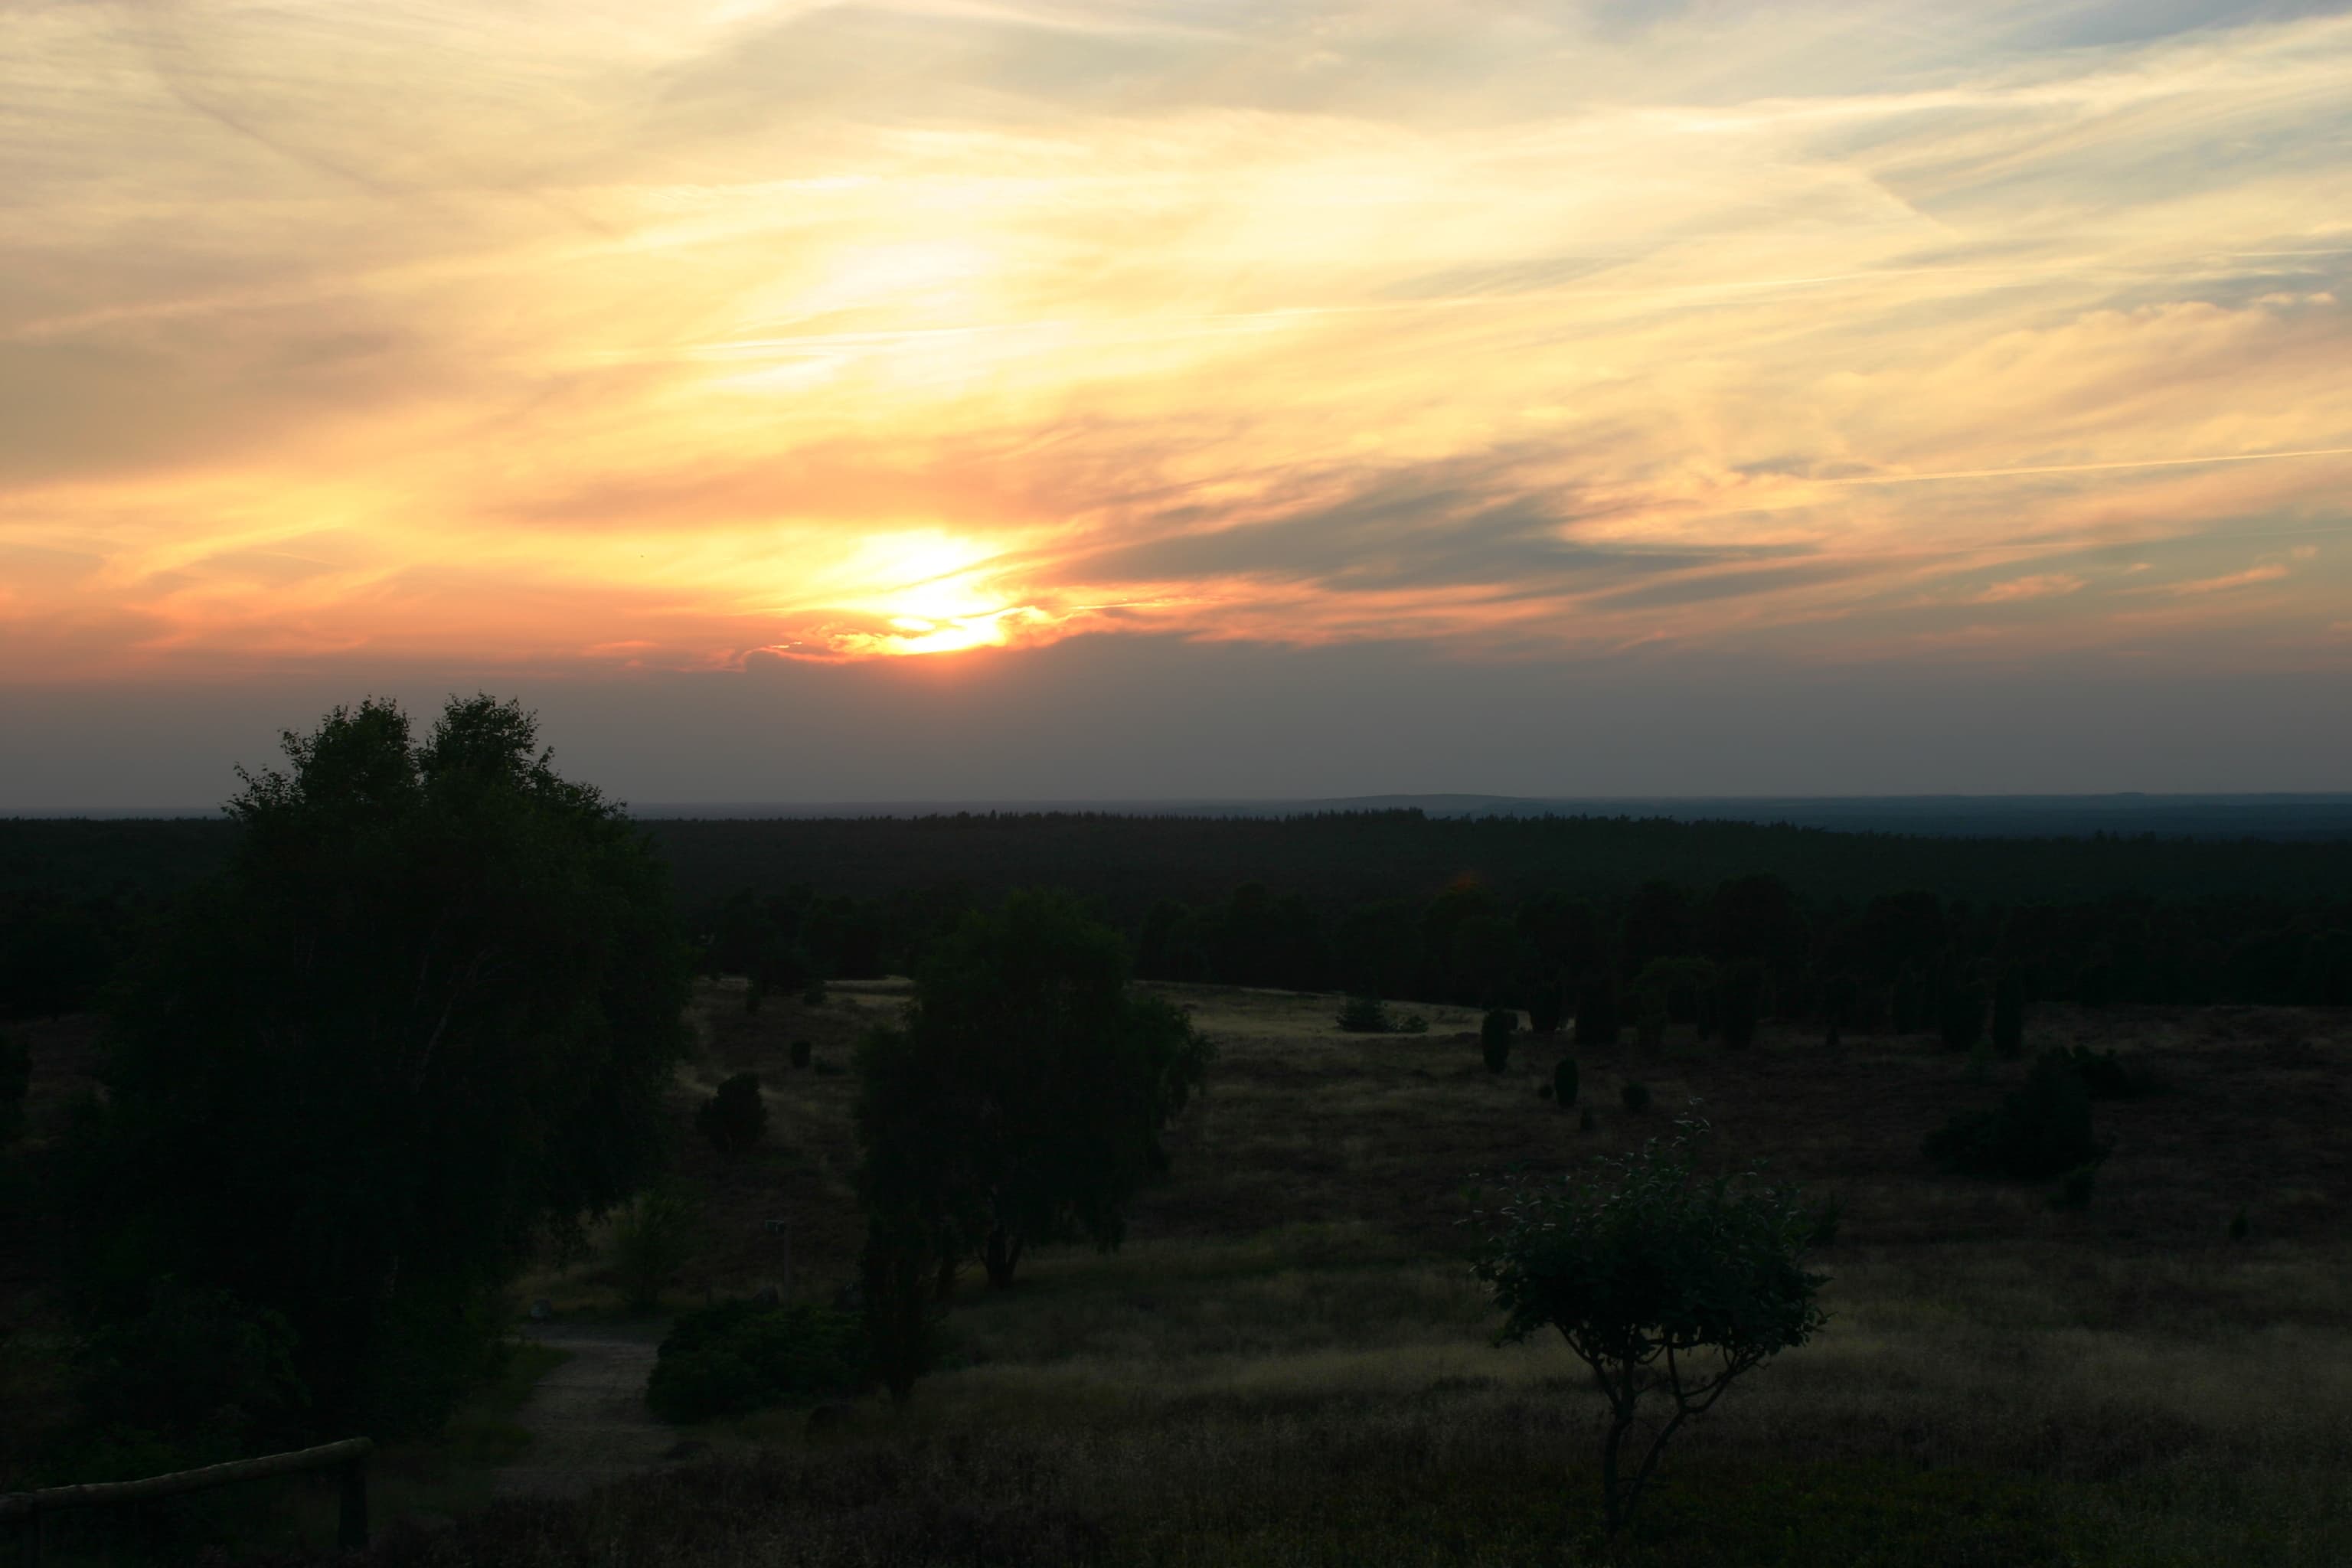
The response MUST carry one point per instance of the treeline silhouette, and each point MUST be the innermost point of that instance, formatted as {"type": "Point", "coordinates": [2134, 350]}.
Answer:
{"type": "Point", "coordinates": [1391, 903]}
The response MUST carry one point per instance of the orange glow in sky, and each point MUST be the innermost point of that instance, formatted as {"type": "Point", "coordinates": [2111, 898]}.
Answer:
{"type": "Point", "coordinates": [595, 334]}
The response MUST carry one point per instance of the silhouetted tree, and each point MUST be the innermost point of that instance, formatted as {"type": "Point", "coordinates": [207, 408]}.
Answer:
{"type": "Point", "coordinates": [734, 1117]}
{"type": "Point", "coordinates": [1051, 1083]}
{"type": "Point", "coordinates": [429, 1009]}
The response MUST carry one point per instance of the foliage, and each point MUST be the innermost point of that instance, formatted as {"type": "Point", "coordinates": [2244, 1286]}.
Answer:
{"type": "Point", "coordinates": [800, 1051]}
{"type": "Point", "coordinates": [190, 1377]}
{"type": "Point", "coordinates": [739, 1356]}
{"type": "Point", "coordinates": [1494, 1032]}
{"type": "Point", "coordinates": [1370, 1015]}
{"type": "Point", "coordinates": [1563, 1082]}
{"type": "Point", "coordinates": [653, 1237]}
{"type": "Point", "coordinates": [1041, 1084]}
{"type": "Point", "coordinates": [428, 1009]}
{"type": "Point", "coordinates": [2037, 1133]}
{"type": "Point", "coordinates": [734, 1117]}
{"type": "Point", "coordinates": [1665, 1282]}
{"type": "Point", "coordinates": [1636, 1098]}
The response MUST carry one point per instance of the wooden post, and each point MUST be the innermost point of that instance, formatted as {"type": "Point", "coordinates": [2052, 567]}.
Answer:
{"type": "Point", "coordinates": [351, 1529]}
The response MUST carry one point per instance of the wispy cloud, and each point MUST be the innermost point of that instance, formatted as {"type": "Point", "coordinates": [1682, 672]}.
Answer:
{"type": "Point", "coordinates": [590, 331]}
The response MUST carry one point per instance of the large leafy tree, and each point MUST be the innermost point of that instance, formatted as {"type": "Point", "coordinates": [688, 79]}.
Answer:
{"type": "Point", "coordinates": [1024, 1100]}
{"type": "Point", "coordinates": [428, 1012]}
{"type": "Point", "coordinates": [1670, 1285]}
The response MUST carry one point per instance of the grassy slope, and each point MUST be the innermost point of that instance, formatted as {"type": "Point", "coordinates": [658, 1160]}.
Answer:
{"type": "Point", "coordinates": [1286, 1364]}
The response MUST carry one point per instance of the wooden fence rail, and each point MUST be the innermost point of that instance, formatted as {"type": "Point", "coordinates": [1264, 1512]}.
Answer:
{"type": "Point", "coordinates": [349, 1457]}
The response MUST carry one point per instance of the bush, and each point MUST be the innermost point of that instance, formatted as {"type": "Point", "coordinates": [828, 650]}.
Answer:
{"type": "Point", "coordinates": [734, 1117]}
{"type": "Point", "coordinates": [813, 994]}
{"type": "Point", "coordinates": [1494, 1031]}
{"type": "Point", "coordinates": [651, 1240]}
{"type": "Point", "coordinates": [2040, 1132]}
{"type": "Point", "coordinates": [1636, 1097]}
{"type": "Point", "coordinates": [802, 1051]}
{"type": "Point", "coordinates": [741, 1356]}
{"type": "Point", "coordinates": [1370, 1015]}
{"type": "Point", "coordinates": [2074, 1187]}
{"type": "Point", "coordinates": [1563, 1082]}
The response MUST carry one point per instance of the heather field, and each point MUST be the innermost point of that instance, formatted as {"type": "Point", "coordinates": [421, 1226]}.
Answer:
{"type": "Point", "coordinates": [1287, 1362]}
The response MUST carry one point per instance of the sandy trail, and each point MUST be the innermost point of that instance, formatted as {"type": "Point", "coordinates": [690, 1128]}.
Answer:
{"type": "Point", "coordinates": [587, 1418]}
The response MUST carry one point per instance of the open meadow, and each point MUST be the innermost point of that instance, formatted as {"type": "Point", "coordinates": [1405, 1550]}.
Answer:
{"type": "Point", "coordinates": [1288, 1362]}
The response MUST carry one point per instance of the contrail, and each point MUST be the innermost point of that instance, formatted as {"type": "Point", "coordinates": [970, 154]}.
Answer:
{"type": "Point", "coordinates": [2092, 467]}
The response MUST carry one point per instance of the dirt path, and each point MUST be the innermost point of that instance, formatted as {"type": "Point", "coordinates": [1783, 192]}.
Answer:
{"type": "Point", "coordinates": [587, 1418]}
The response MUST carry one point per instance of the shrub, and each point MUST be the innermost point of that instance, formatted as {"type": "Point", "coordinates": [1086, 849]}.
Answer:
{"type": "Point", "coordinates": [802, 1050]}
{"type": "Point", "coordinates": [1563, 1082]}
{"type": "Point", "coordinates": [1494, 1031]}
{"type": "Point", "coordinates": [1663, 1281]}
{"type": "Point", "coordinates": [1636, 1097]}
{"type": "Point", "coordinates": [735, 1117]}
{"type": "Point", "coordinates": [813, 994]}
{"type": "Point", "coordinates": [1370, 1015]}
{"type": "Point", "coordinates": [2037, 1133]}
{"type": "Point", "coordinates": [2240, 1225]}
{"type": "Point", "coordinates": [741, 1356]}
{"type": "Point", "coordinates": [651, 1240]}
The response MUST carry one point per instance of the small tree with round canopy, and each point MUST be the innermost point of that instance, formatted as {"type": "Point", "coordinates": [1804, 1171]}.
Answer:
{"type": "Point", "coordinates": [1669, 1284]}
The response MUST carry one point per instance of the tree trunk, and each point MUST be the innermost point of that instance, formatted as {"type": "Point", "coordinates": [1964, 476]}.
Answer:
{"type": "Point", "coordinates": [1000, 1256]}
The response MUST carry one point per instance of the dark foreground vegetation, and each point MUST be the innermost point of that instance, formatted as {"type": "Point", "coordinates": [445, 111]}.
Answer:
{"type": "Point", "coordinates": [1419, 1192]}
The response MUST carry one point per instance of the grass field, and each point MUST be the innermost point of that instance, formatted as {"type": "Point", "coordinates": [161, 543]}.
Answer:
{"type": "Point", "coordinates": [1286, 1363]}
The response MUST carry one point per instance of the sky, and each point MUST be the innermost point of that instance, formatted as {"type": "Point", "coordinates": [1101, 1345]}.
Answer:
{"type": "Point", "coordinates": [1137, 399]}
